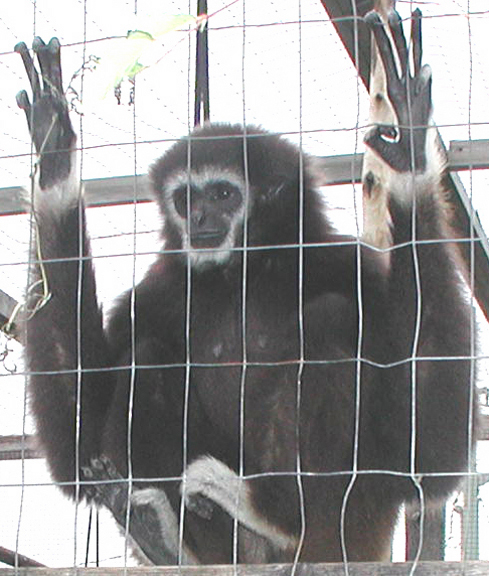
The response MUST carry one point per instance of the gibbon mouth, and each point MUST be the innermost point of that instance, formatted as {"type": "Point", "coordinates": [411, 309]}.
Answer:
{"type": "Point", "coordinates": [207, 239]}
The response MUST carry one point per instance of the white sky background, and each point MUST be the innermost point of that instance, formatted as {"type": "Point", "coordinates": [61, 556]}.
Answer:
{"type": "Point", "coordinates": [255, 78]}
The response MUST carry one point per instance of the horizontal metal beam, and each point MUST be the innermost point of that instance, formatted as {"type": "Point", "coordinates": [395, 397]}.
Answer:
{"type": "Point", "coordinates": [468, 154]}
{"type": "Point", "coordinates": [18, 447]}
{"type": "Point", "coordinates": [339, 169]}
{"type": "Point", "coordinates": [97, 192]}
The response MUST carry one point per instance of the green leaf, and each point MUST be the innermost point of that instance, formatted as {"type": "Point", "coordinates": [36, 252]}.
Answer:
{"type": "Point", "coordinates": [144, 45]}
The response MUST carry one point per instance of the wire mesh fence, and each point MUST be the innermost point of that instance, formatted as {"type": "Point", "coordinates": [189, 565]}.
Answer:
{"type": "Point", "coordinates": [240, 468]}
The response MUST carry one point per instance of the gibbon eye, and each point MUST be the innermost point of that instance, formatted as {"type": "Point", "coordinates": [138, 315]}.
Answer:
{"type": "Point", "coordinates": [223, 191]}
{"type": "Point", "coordinates": [180, 196]}
{"type": "Point", "coordinates": [223, 194]}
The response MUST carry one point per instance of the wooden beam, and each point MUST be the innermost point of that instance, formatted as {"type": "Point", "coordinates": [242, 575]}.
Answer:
{"type": "Point", "coordinates": [475, 254]}
{"type": "Point", "coordinates": [7, 306]}
{"type": "Point", "coordinates": [354, 569]}
{"type": "Point", "coordinates": [357, 42]}
{"type": "Point", "coordinates": [12, 559]}
{"type": "Point", "coordinates": [476, 259]}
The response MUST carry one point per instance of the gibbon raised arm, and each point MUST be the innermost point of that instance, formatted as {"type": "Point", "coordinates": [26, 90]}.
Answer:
{"type": "Point", "coordinates": [242, 208]}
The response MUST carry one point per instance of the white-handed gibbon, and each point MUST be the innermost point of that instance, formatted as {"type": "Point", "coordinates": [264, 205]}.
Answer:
{"type": "Point", "coordinates": [250, 338]}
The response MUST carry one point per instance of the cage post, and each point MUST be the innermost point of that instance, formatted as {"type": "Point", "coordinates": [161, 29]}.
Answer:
{"type": "Point", "coordinates": [470, 515]}
{"type": "Point", "coordinates": [202, 105]}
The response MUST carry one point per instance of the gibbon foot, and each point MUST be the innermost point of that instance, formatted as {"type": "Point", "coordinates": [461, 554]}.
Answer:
{"type": "Point", "coordinates": [111, 490]}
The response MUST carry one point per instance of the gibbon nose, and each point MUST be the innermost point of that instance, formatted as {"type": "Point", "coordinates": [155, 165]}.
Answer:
{"type": "Point", "coordinates": [197, 211]}
{"type": "Point", "coordinates": [197, 217]}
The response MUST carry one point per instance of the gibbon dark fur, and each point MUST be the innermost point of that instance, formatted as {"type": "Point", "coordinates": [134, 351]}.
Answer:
{"type": "Point", "coordinates": [259, 375]}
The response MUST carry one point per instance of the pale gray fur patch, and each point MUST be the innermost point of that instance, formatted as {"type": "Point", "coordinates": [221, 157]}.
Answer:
{"type": "Point", "coordinates": [204, 256]}
{"type": "Point", "coordinates": [217, 349]}
{"type": "Point", "coordinates": [59, 198]}
{"type": "Point", "coordinates": [211, 478]}
{"type": "Point", "coordinates": [403, 185]}
{"type": "Point", "coordinates": [158, 500]}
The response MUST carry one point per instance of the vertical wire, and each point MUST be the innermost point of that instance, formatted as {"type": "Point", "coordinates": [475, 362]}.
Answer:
{"type": "Point", "coordinates": [133, 360]}
{"type": "Point", "coordinates": [417, 326]}
{"type": "Point", "coordinates": [300, 313]}
{"type": "Point", "coordinates": [358, 365]}
{"type": "Point", "coordinates": [188, 308]}
{"type": "Point", "coordinates": [97, 538]}
{"type": "Point", "coordinates": [79, 296]}
{"type": "Point", "coordinates": [29, 275]}
{"type": "Point", "coordinates": [89, 534]}
{"type": "Point", "coordinates": [473, 351]}
{"type": "Point", "coordinates": [244, 288]}
{"type": "Point", "coordinates": [188, 366]}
